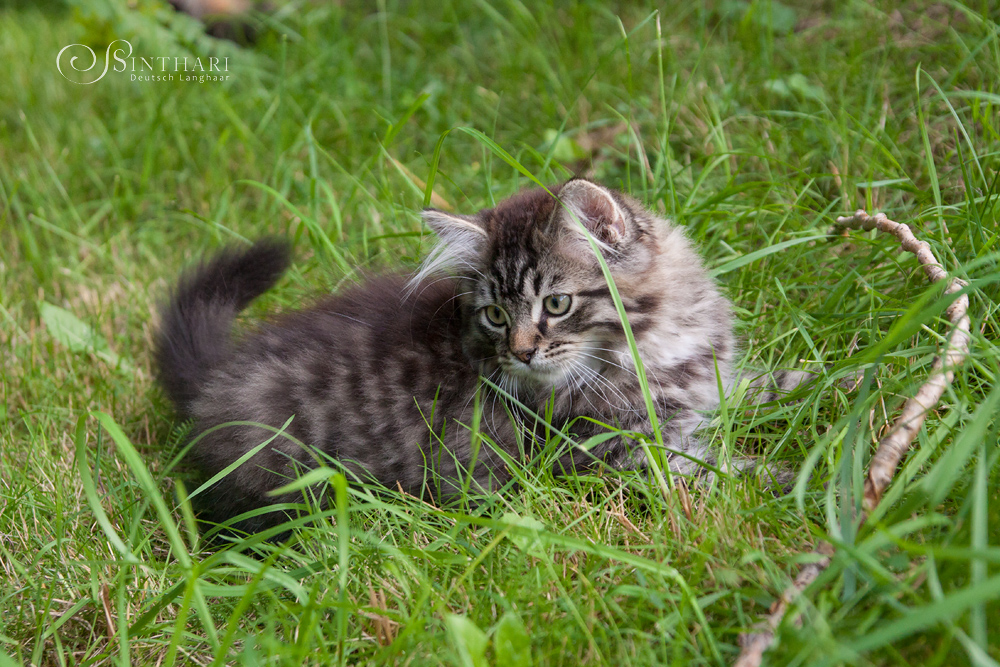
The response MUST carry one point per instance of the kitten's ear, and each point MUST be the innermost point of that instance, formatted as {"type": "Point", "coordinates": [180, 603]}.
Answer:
{"type": "Point", "coordinates": [462, 237]}
{"type": "Point", "coordinates": [594, 206]}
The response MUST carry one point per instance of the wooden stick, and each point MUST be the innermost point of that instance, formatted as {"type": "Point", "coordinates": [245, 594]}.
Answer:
{"type": "Point", "coordinates": [755, 643]}
{"type": "Point", "coordinates": [895, 444]}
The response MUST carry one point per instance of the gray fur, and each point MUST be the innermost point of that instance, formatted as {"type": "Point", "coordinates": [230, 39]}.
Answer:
{"type": "Point", "coordinates": [364, 373]}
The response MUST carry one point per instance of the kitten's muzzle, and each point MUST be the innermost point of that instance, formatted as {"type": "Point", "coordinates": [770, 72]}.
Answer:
{"type": "Point", "coordinates": [523, 341]}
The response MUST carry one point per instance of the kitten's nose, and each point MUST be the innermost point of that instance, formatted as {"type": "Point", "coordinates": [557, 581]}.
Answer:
{"type": "Point", "coordinates": [525, 355]}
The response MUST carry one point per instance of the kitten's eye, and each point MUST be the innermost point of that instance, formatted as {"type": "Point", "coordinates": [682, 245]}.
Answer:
{"type": "Point", "coordinates": [557, 304]}
{"type": "Point", "coordinates": [496, 316]}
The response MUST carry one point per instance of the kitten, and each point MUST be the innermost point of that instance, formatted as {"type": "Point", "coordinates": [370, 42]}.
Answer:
{"type": "Point", "coordinates": [367, 375]}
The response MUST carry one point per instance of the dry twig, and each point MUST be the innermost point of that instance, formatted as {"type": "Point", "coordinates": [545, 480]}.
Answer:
{"type": "Point", "coordinates": [895, 444]}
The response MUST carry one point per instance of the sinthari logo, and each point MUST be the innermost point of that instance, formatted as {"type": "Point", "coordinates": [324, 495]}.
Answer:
{"type": "Point", "coordinates": [141, 68]}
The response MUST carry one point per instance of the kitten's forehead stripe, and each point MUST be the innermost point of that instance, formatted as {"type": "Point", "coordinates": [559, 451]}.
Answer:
{"type": "Point", "coordinates": [511, 227]}
{"type": "Point", "coordinates": [522, 277]}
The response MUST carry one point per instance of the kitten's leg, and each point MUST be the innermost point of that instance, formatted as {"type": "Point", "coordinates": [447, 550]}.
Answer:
{"type": "Point", "coordinates": [703, 458]}
{"type": "Point", "coordinates": [687, 453]}
{"type": "Point", "coordinates": [766, 387]}
{"type": "Point", "coordinates": [684, 452]}
{"type": "Point", "coordinates": [691, 455]}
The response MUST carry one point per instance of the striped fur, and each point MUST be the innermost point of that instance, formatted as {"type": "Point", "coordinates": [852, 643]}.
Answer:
{"type": "Point", "coordinates": [363, 374]}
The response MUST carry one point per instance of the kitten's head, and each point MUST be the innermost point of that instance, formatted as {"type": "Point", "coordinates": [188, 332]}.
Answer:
{"type": "Point", "coordinates": [536, 301]}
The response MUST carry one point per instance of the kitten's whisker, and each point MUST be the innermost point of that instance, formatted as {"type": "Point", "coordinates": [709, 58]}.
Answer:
{"type": "Point", "coordinates": [421, 281]}
{"type": "Point", "coordinates": [597, 390]}
{"type": "Point", "coordinates": [509, 409]}
{"type": "Point", "coordinates": [606, 360]}
{"type": "Point", "coordinates": [491, 427]}
{"type": "Point", "coordinates": [348, 317]}
{"type": "Point", "coordinates": [607, 383]}
{"type": "Point", "coordinates": [650, 372]}
{"type": "Point", "coordinates": [461, 414]}
{"type": "Point", "coordinates": [498, 396]}
{"type": "Point", "coordinates": [460, 294]}
{"type": "Point", "coordinates": [605, 349]}
{"type": "Point", "coordinates": [446, 302]}
{"type": "Point", "coordinates": [583, 386]}
{"type": "Point", "coordinates": [573, 391]}
{"type": "Point", "coordinates": [468, 265]}
{"type": "Point", "coordinates": [630, 367]}
{"type": "Point", "coordinates": [610, 363]}
{"type": "Point", "coordinates": [424, 285]}
{"type": "Point", "coordinates": [493, 406]}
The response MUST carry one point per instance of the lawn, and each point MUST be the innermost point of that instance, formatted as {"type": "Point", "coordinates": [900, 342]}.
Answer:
{"type": "Point", "coordinates": [751, 124]}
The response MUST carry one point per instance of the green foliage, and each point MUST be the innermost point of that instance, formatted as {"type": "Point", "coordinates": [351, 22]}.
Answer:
{"type": "Point", "coordinates": [77, 336]}
{"type": "Point", "coordinates": [751, 123]}
{"type": "Point", "coordinates": [469, 641]}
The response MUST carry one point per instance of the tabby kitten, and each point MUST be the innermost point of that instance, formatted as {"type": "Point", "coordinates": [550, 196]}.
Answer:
{"type": "Point", "coordinates": [382, 377]}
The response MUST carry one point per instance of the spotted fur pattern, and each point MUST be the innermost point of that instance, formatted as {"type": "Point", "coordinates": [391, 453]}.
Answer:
{"type": "Point", "coordinates": [382, 377]}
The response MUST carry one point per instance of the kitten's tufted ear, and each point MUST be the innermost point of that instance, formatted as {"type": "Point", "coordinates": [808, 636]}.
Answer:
{"type": "Point", "coordinates": [460, 248]}
{"type": "Point", "coordinates": [595, 208]}
{"type": "Point", "coordinates": [462, 236]}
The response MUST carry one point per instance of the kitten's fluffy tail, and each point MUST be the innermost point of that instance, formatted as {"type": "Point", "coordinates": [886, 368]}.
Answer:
{"type": "Point", "coordinates": [194, 334]}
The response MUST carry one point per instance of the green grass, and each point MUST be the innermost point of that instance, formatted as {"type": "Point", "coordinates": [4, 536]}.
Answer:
{"type": "Point", "coordinates": [752, 124]}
